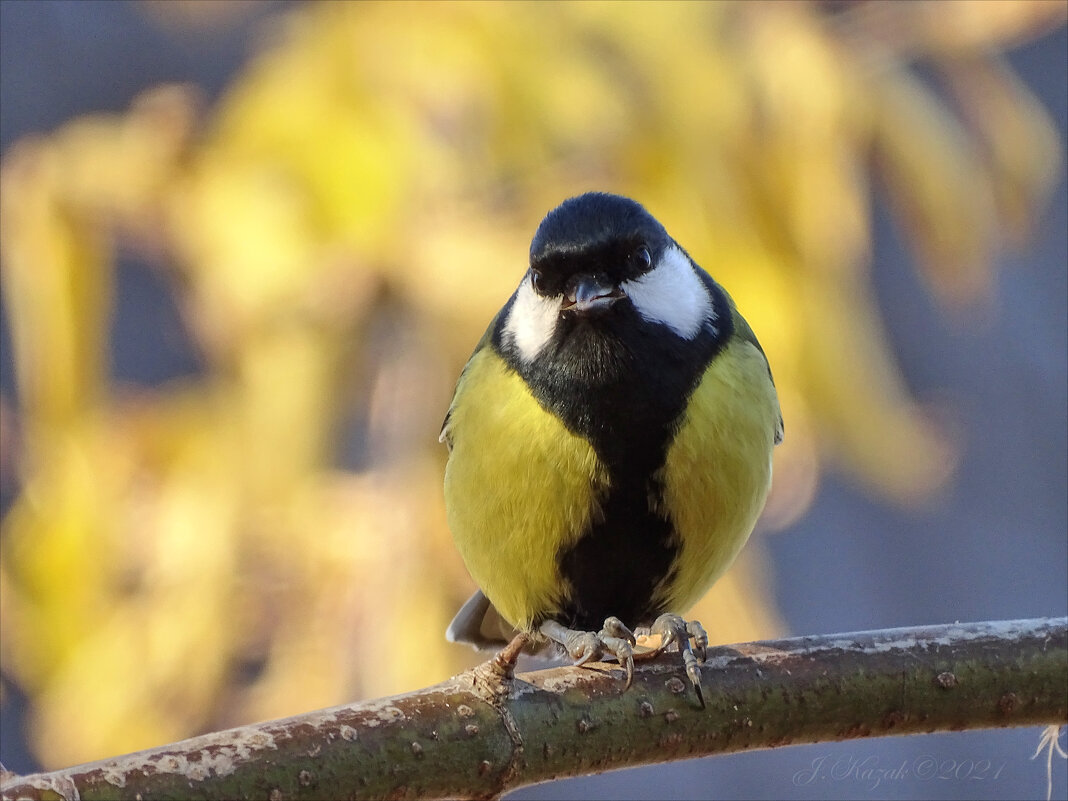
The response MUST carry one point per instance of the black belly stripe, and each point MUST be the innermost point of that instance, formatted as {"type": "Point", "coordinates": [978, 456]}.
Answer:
{"type": "Point", "coordinates": [616, 566]}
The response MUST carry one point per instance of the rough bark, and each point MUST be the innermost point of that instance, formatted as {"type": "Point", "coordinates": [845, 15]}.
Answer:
{"type": "Point", "coordinates": [477, 734]}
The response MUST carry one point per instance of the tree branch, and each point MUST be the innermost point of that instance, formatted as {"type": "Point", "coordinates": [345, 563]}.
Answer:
{"type": "Point", "coordinates": [477, 734]}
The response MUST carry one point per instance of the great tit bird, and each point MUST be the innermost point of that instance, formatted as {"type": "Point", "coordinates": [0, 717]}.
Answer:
{"type": "Point", "coordinates": [610, 441]}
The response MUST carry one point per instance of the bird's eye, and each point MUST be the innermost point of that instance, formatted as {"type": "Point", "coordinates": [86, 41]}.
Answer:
{"type": "Point", "coordinates": [643, 259]}
{"type": "Point", "coordinates": [535, 279]}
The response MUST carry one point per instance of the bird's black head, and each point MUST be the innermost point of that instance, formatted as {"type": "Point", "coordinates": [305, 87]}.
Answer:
{"type": "Point", "coordinates": [588, 245]}
{"type": "Point", "coordinates": [606, 285]}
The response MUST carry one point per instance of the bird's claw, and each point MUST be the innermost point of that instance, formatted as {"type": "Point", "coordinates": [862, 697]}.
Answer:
{"type": "Point", "coordinates": [673, 629]}
{"type": "Point", "coordinates": [614, 639]}
{"type": "Point", "coordinates": [693, 671]}
{"type": "Point", "coordinates": [614, 627]}
{"type": "Point", "coordinates": [582, 646]}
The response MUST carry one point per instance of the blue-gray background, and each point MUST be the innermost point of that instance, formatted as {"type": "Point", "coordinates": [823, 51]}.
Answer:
{"type": "Point", "coordinates": [993, 546]}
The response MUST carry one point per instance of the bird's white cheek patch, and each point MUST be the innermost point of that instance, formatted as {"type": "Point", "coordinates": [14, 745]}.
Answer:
{"type": "Point", "coordinates": [531, 321]}
{"type": "Point", "coordinates": [672, 294]}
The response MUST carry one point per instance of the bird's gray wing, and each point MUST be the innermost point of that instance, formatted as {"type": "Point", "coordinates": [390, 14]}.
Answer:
{"type": "Point", "coordinates": [479, 624]}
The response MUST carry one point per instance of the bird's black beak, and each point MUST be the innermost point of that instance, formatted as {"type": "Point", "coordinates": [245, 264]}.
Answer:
{"type": "Point", "coordinates": [590, 293]}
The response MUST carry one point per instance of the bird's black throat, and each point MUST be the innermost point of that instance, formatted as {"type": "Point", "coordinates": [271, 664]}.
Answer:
{"type": "Point", "coordinates": [621, 383]}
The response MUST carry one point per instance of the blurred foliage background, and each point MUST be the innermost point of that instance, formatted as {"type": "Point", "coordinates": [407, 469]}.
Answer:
{"type": "Point", "coordinates": [266, 535]}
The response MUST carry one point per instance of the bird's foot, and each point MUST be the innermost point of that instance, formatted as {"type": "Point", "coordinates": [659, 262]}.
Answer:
{"type": "Point", "coordinates": [614, 638]}
{"type": "Point", "coordinates": [504, 661]}
{"type": "Point", "coordinates": [673, 629]}
{"type": "Point", "coordinates": [493, 678]}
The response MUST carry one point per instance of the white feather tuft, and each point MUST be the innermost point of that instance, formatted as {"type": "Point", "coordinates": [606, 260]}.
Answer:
{"type": "Point", "coordinates": [672, 294]}
{"type": "Point", "coordinates": [531, 321]}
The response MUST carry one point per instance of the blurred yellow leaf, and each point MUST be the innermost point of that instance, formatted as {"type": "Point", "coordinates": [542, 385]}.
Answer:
{"type": "Point", "coordinates": [268, 536]}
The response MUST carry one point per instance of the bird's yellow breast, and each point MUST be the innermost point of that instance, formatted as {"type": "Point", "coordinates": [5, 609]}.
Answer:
{"type": "Point", "coordinates": [717, 471]}
{"type": "Point", "coordinates": [518, 487]}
